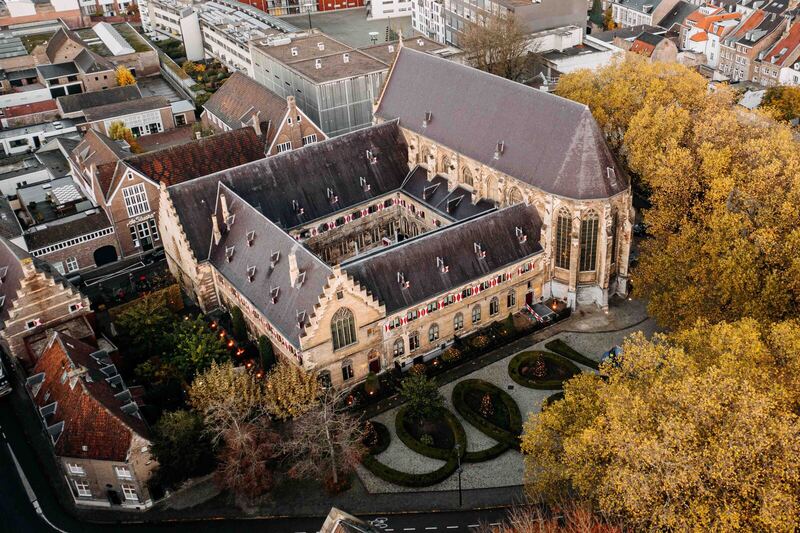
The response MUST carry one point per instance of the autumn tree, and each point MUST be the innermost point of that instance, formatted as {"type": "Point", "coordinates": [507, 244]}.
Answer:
{"type": "Point", "coordinates": [228, 398]}
{"type": "Point", "coordinates": [690, 431]}
{"type": "Point", "coordinates": [245, 460]}
{"type": "Point", "coordinates": [291, 391]}
{"type": "Point", "coordinates": [147, 324]}
{"type": "Point", "coordinates": [194, 347]}
{"type": "Point", "coordinates": [181, 447]}
{"type": "Point", "coordinates": [783, 102]}
{"type": "Point", "coordinates": [422, 396]}
{"type": "Point", "coordinates": [119, 132]}
{"type": "Point", "coordinates": [124, 76]}
{"type": "Point", "coordinates": [721, 182]}
{"type": "Point", "coordinates": [325, 440]}
{"type": "Point", "coordinates": [497, 45]}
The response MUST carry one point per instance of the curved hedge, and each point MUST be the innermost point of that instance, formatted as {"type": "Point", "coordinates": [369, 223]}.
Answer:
{"type": "Point", "coordinates": [406, 479]}
{"type": "Point", "coordinates": [502, 435]}
{"type": "Point", "coordinates": [565, 350]}
{"type": "Point", "coordinates": [384, 438]}
{"type": "Point", "coordinates": [544, 384]}
{"type": "Point", "coordinates": [433, 452]}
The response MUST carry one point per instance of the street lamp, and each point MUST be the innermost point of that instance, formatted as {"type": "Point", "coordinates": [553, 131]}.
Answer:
{"type": "Point", "coordinates": [308, 7]}
{"type": "Point", "coordinates": [458, 456]}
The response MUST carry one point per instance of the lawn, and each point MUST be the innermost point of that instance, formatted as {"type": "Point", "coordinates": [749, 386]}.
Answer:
{"type": "Point", "coordinates": [32, 41]}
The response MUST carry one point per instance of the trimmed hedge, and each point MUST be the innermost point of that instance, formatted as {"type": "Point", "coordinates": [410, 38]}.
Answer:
{"type": "Point", "coordinates": [565, 350]}
{"type": "Point", "coordinates": [486, 455]}
{"type": "Point", "coordinates": [405, 479]}
{"type": "Point", "coordinates": [433, 452]}
{"type": "Point", "coordinates": [509, 438]}
{"type": "Point", "coordinates": [553, 398]}
{"type": "Point", "coordinates": [543, 384]}
{"type": "Point", "coordinates": [384, 438]}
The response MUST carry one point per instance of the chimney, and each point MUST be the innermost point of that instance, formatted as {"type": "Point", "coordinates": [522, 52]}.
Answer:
{"type": "Point", "coordinates": [255, 122]}
{"type": "Point", "coordinates": [223, 202]}
{"type": "Point", "coordinates": [294, 272]}
{"type": "Point", "coordinates": [215, 229]}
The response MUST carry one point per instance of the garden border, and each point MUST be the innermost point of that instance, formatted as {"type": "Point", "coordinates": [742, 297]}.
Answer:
{"type": "Point", "coordinates": [560, 347]}
{"type": "Point", "coordinates": [550, 384]}
{"type": "Point", "coordinates": [502, 435]}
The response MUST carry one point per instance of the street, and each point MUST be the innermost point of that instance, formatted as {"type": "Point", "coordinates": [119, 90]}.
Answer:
{"type": "Point", "coordinates": [17, 512]}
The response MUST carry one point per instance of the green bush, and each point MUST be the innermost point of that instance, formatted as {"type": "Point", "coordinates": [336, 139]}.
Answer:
{"type": "Point", "coordinates": [565, 350]}
{"type": "Point", "coordinates": [552, 398]}
{"type": "Point", "coordinates": [372, 384]}
{"type": "Point", "coordinates": [426, 439]}
{"type": "Point", "coordinates": [238, 324]}
{"type": "Point", "coordinates": [421, 448]}
{"type": "Point", "coordinates": [519, 360]}
{"type": "Point", "coordinates": [486, 455]}
{"type": "Point", "coordinates": [265, 353]}
{"type": "Point", "coordinates": [509, 438]}
{"type": "Point", "coordinates": [405, 479]}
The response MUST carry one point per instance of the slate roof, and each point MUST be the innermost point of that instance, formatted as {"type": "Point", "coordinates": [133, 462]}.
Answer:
{"type": "Point", "coordinates": [28, 109]}
{"type": "Point", "coordinates": [455, 205]}
{"type": "Point", "coordinates": [268, 239]}
{"type": "Point", "coordinates": [200, 157]}
{"type": "Point", "coordinates": [416, 258]}
{"type": "Point", "coordinates": [549, 142]}
{"type": "Point", "coordinates": [240, 97]}
{"type": "Point", "coordinates": [139, 105]}
{"type": "Point", "coordinates": [61, 231]}
{"type": "Point", "coordinates": [303, 175]}
{"type": "Point", "coordinates": [58, 70]}
{"type": "Point", "coordinates": [79, 102]}
{"type": "Point", "coordinates": [90, 63]}
{"type": "Point", "coordinates": [90, 410]}
{"type": "Point", "coordinates": [677, 14]}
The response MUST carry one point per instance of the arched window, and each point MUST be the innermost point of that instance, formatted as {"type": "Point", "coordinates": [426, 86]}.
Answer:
{"type": "Point", "coordinates": [347, 370]}
{"type": "Point", "coordinates": [466, 177]}
{"type": "Point", "coordinates": [494, 306]}
{"type": "Point", "coordinates": [614, 223]}
{"type": "Point", "coordinates": [399, 348]}
{"type": "Point", "coordinates": [476, 314]}
{"type": "Point", "coordinates": [433, 333]}
{"type": "Point", "coordinates": [511, 299]}
{"type": "Point", "coordinates": [343, 328]}
{"type": "Point", "coordinates": [324, 378]}
{"type": "Point", "coordinates": [445, 165]}
{"type": "Point", "coordinates": [515, 197]}
{"type": "Point", "coordinates": [589, 226]}
{"type": "Point", "coordinates": [425, 155]}
{"type": "Point", "coordinates": [563, 234]}
{"type": "Point", "coordinates": [458, 322]}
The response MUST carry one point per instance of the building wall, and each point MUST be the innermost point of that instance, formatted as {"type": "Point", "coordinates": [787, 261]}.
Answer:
{"type": "Point", "coordinates": [97, 81]}
{"type": "Point", "coordinates": [81, 252]}
{"type": "Point", "coordinates": [29, 120]}
{"type": "Point", "coordinates": [118, 213]}
{"type": "Point", "coordinates": [293, 131]}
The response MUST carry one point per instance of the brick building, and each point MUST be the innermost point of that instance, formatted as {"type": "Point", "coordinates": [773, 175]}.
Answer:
{"type": "Point", "coordinates": [99, 438]}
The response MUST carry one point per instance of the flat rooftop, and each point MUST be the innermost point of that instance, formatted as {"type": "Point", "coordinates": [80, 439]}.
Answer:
{"type": "Point", "coordinates": [351, 26]}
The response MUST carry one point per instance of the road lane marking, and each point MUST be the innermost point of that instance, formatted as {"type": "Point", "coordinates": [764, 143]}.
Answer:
{"type": "Point", "coordinates": [452, 527]}
{"type": "Point", "coordinates": [409, 529]}
{"type": "Point", "coordinates": [434, 527]}
{"type": "Point", "coordinates": [474, 525]}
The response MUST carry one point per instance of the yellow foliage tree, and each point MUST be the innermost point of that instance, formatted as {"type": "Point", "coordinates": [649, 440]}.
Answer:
{"type": "Point", "coordinates": [291, 391]}
{"type": "Point", "coordinates": [119, 132]}
{"type": "Point", "coordinates": [692, 431]}
{"type": "Point", "coordinates": [124, 76]}
{"type": "Point", "coordinates": [723, 186]}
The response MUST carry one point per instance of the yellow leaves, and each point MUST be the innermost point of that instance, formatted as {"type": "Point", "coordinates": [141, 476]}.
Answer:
{"type": "Point", "coordinates": [291, 391]}
{"type": "Point", "coordinates": [124, 76]}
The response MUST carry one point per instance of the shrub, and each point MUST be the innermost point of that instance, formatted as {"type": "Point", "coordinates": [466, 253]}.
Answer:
{"type": "Point", "coordinates": [522, 370]}
{"type": "Point", "coordinates": [426, 439]}
{"type": "Point", "coordinates": [265, 353]}
{"type": "Point", "coordinates": [238, 324]}
{"type": "Point", "coordinates": [418, 369]}
{"type": "Point", "coordinates": [451, 355]}
{"type": "Point", "coordinates": [372, 384]}
{"type": "Point", "coordinates": [422, 395]}
{"type": "Point", "coordinates": [480, 341]}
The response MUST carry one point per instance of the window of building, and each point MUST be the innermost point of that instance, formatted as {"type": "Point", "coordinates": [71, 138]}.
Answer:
{"type": "Point", "coordinates": [413, 341]}
{"type": "Point", "coordinates": [476, 314]}
{"type": "Point", "coordinates": [511, 299]}
{"type": "Point", "coordinates": [343, 328]}
{"type": "Point", "coordinates": [75, 469]}
{"type": "Point", "coordinates": [494, 306]}
{"type": "Point", "coordinates": [614, 223]}
{"type": "Point", "coordinates": [309, 139]}
{"type": "Point", "coordinates": [123, 472]}
{"type": "Point", "coordinates": [589, 227]}
{"type": "Point", "coordinates": [324, 378]}
{"type": "Point", "coordinates": [458, 322]}
{"type": "Point", "coordinates": [72, 264]}
{"type": "Point", "coordinates": [399, 348]}
{"type": "Point", "coordinates": [82, 486]}
{"type": "Point", "coordinates": [129, 491]}
{"type": "Point", "coordinates": [563, 233]}
{"type": "Point", "coordinates": [180, 120]}
{"type": "Point", "coordinates": [347, 370]}
{"type": "Point", "coordinates": [433, 333]}
{"type": "Point", "coordinates": [136, 200]}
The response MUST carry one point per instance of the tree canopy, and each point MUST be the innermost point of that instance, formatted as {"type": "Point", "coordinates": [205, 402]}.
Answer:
{"type": "Point", "coordinates": [783, 102]}
{"type": "Point", "coordinates": [691, 431]}
{"type": "Point", "coordinates": [497, 45]}
{"type": "Point", "coordinates": [723, 183]}
{"type": "Point", "coordinates": [181, 447]}
{"type": "Point", "coordinates": [124, 76]}
{"type": "Point", "coordinates": [291, 391]}
{"type": "Point", "coordinates": [422, 396]}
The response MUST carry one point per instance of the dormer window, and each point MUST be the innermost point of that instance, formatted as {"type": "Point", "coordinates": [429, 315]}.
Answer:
{"type": "Point", "coordinates": [332, 198]}
{"type": "Point", "coordinates": [371, 157]}
{"type": "Point", "coordinates": [251, 273]}
{"type": "Point", "coordinates": [301, 277]}
{"type": "Point", "coordinates": [479, 251]}
{"type": "Point", "coordinates": [321, 45]}
{"type": "Point", "coordinates": [274, 293]}
{"type": "Point", "coordinates": [499, 149]}
{"type": "Point", "coordinates": [3, 273]}
{"type": "Point", "coordinates": [301, 319]}
{"type": "Point", "coordinates": [364, 185]}
{"type": "Point", "coordinates": [294, 51]}
{"type": "Point", "coordinates": [229, 220]}
{"type": "Point", "coordinates": [229, 253]}
{"type": "Point", "coordinates": [274, 258]}
{"type": "Point", "coordinates": [74, 308]}
{"type": "Point", "coordinates": [251, 236]}
{"type": "Point", "coordinates": [429, 191]}
{"type": "Point", "coordinates": [296, 208]}
{"type": "Point", "coordinates": [31, 324]}
{"type": "Point", "coordinates": [521, 237]}
{"type": "Point", "coordinates": [427, 119]}
{"type": "Point", "coordinates": [440, 264]}
{"type": "Point", "coordinates": [453, 203]}
{"type": "Point", "coordinates": [401, 279]}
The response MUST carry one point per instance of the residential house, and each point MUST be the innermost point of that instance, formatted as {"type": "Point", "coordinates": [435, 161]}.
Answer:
{"type": "Point", "coordinates": [741, 49]}
{"type": "Point", "coordinates": [641, 12]}
{"type": "Point", "coordinates": [99, 438]}
{"type": "Point", "coordinates": [654, 47]}
{"type": "Point", "coordinates": [703, 30]}
{"type": "Point", "coordinates": [243, 102]}
{"type": "Point", "coordinates": [781, 64]}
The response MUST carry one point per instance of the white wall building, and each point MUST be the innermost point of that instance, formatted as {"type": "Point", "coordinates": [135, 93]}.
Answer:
{"type": "Point", "coordinates": [384, 9]}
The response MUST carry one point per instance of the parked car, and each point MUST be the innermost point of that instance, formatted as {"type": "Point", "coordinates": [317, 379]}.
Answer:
{"type": "Point", "coordinates": [542, 313]}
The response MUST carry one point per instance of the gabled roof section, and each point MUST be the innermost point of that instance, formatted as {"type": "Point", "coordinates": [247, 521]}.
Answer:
{"type": "Point", "coordinates": [89, 62]}
{"type": "Point", "coordinates": [454, 205]}
{"type": "Point", "coordinates": [200, 157]}
{"type": "Point", "coordinates": [98, 150]}
{"type": "Point", "coordinates": [240, 97]}
{"type": "Point", "coordinates": [783, 53]}
{"type": "Point", "coordinates": [73, 103]}
{"type": "Point", "coordinates": [546, 141]}
{"type": "Point", "coordinates": [89, 395]}
{"type": "Point", "coordinates": [127, 107]}
{"type": "Point", "coordinates": [259, 268]}
{"type": "Point", "coordinates": [303, 176]}
{"type": "Point", "coordinates": [58, 39]}
{"type": "Point", "coordinates": [496, 234]}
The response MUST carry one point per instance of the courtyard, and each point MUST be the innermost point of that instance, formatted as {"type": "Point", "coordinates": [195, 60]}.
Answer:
{"type": "Point", "coordinates": [590, 332]}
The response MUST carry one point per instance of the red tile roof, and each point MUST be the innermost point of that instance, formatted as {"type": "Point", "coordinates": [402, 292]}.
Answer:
{"type": "Point", "coordinates": [641, 47]}
{"type": "Point", "coordinates": [28, 109]}
{"type": "Point", "coordinates": [789, 43]}
{"type": "Point", "coordinates": [95, 426]}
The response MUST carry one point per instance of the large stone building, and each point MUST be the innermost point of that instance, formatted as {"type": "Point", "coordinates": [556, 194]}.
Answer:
{"type": "Point", "coordinates": [375, 248]}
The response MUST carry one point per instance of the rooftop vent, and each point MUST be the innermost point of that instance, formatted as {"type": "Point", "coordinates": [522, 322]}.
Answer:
{"type": "Point", "coordinates": [296, 208]}
{"type": "Point", "coordinates": [251, 273]}
{"type": "Point", "coordinates": [521, 237]}
{"type": "Point", "coordinates": [321, 45]}
{"type": "Point", "coordinates": [317, 64]}
{"type": "Point", "coordinates": [499, 149]}
{"type": "Point", "coordinates": [401, 279]}
{"type": "Point", "coordinates": [391, 48]}
{"type": "Point", "coordinates": [251, 236]}
{"type": "Point", "coordinates": [427, 119]}
{"type": "Point", "coordinates": [420, 42]}
{"type": "Point", "coordinates": [364, 185]}
{"type": "Point", "coordinates": [294, 51]}
{"type": "Point", "coordinates": [444, 269]}
{"type": "Point", "coordinates": [479, 251]}
{"type": "Point", "coordinates": [273, 294]}
{"type": "Point", "coordinates": [346, 57]}
{"type": "Point", "coordinates": [229, 253]}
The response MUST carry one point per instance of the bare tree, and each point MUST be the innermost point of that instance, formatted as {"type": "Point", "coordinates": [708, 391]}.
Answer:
{"type": "Point", "coordinates": [244, 460]}
{"type": "Point", "coordinates": [498, 45]}
{"type": "Point", "coordinates": [325, 438]}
